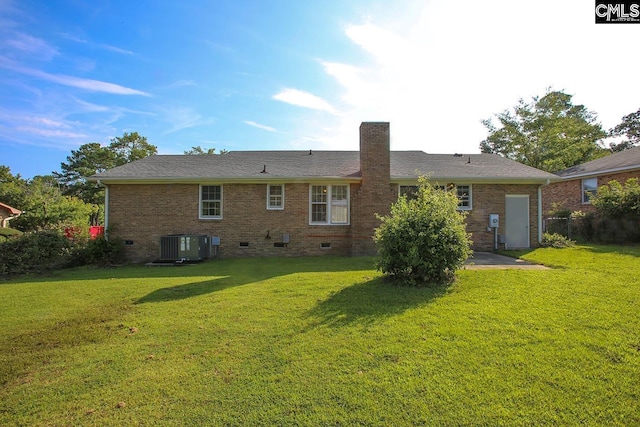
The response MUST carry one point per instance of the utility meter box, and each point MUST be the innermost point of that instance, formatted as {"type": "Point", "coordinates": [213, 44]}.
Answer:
{"type": "Point", "coordinates": [494, 220]}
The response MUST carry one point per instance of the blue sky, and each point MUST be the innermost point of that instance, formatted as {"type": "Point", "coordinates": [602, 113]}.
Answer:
{"type": "Point", "coordinates": [282, 74]}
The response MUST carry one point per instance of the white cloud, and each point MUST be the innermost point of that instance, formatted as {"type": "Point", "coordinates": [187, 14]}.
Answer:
{"type": "Point", "coordinates": [116, 49]}
{"type": "Point", "coordinates": [259, 126]}
{"type": "Point", "coordinates": [301, 98]}
{"type": "Point", "coordinates": [437, 74]}
{"type": "Point", "coordinates": [183, 118]}
{"type": "Point", "coordinates": [31, 45]}
{"type": "Point", "coordinates": [86, 84]}
{"type": "Point", "coordinates": [49, 133]}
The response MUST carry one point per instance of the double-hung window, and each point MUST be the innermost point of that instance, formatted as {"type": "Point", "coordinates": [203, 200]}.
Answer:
{"type": "Point", "coordinates": [329, 204]}
{"type": "Point", "coordinates": [275, 197]}
{"type": "Point", "coordinates": [464, 197]}
{"type": "Point", "coordinates": [589, 188]}
{"type": "Point", "coordinates": [210, 201]}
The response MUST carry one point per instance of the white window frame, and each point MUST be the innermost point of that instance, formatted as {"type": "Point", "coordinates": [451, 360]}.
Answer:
{"type": "Point", "coordinates": [329, 204]}
{"type": "Point", "coordinates": [200, 201]}
{"type": "Point", "coordinates": [269, 198]}
{"type": "Point", "coordinates": [587, 200]}
{"type": "Point", "coordinates": [470, 197]}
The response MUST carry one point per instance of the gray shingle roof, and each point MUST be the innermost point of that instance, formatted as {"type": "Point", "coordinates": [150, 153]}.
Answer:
{"type": "Point", "coordinates": [617, 162]}
{"type": "Point", "coordinates": [249, 165]}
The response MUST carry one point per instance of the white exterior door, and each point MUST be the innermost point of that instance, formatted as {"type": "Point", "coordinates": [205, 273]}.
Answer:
{"type": "Point", "coordinates": [517, 221]}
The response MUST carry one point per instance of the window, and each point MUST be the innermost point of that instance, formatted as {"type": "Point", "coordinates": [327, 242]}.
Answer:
{"type": "Point", "coordinates": [589, 188]}
{"type": "Point", "coordinates": [464, 197]}
{"type": "Point", "coordinates": [462, 191]}
{"type": "Point", "coordinates": [211, 201]}
{"type": "Point", "coordinates": [275, 197]}
{"type": "Point", "coordinates": [329, 204]}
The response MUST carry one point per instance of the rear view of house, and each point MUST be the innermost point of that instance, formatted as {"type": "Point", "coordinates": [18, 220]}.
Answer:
{"type": "Point", "coordinates": [290, 203]}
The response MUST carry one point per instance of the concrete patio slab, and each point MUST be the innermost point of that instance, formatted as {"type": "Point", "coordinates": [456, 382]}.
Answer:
{"type": "Point", "coordinates": [492, 261]}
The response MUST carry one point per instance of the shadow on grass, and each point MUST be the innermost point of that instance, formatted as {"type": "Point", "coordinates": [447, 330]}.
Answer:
{"type": "Point", "coordinates": [369, 302]}
{"type": "Point", "coordinates": [237, 272]}
{"type": "Point", "coordinates": [631, 249]}
{"type": "Point", "coordinates": [250, 268]}
{"type": "Point", "coordinates": [188, 290]}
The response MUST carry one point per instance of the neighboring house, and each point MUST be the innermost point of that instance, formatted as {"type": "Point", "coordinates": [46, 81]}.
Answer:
{"type": "Point", "coordinates": [580, 182]}
{"type": "Point", "coordinates": [7, 213]}
{"type": "Point", "coordinates": [269, 203]}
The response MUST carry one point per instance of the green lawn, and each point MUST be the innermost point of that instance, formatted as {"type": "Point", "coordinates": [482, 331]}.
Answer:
{"type": "Point", "coordinates": [325, 341]}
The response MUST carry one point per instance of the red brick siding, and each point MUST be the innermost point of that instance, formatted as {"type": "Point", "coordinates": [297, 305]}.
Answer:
{"type": "Point", "coordinates": [568, 194]}
{"type": "Point", "coordinates": [491, 199]}
{"type": "Point", "coordinates": [144, 213]}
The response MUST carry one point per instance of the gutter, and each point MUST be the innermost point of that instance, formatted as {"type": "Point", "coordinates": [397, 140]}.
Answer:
{"type": "Point", "coordinates": [106, 206]}
{"type": "Point", "coordinates": [598, 173]}
{"type": "Point", "coordinates": [540, 210]}
{"type": "Point", "coordinates": [226, 180]}
{"type": "Point", "coordinates": [5, 221]}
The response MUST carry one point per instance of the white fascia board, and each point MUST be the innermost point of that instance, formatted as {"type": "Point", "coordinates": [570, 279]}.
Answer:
{"type": "Point", "coordinates": [228, 180]}
{"type": "Point", "coordinates": [598, 173]}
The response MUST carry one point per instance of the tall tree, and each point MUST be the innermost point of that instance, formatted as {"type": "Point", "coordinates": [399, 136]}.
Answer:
{"type": "Point", "coordinates": [550, 133]}
{"type": "Point", "coordinates": [94, 158]}
{"type": "Point", "coordinates": [629, 127]}
{"type": "Point", "coordinates": [131, 147]}
{"type": "Point", "coordinates": [87, 160]}
{"type": "Point", "coordinates": [199, 150]}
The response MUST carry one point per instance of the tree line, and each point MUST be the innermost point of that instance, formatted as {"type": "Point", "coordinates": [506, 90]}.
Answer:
{"type": "Point", "coordinates": [552, 134]}
{"type": "Point", "coordinates": [548, 133]}
{"type": "Point", "coordinates": [65, 198]}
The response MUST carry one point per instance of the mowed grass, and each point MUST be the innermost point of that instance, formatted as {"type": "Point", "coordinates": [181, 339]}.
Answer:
{"type": "Point", "coordinates": [325, 341]}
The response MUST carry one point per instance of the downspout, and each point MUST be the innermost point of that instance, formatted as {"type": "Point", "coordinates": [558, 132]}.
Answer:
{"type": "Point", "coordinates": [6, 220]}
{"type": "Point", "coordinates": [540, 210]}
{"type": "Point", "coordinates": [106, 208]}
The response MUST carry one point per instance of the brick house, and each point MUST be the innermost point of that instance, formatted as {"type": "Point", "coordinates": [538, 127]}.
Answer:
{"type": "Point", "coordinates": [579, 182]}
{"type": "Point", "coordinates": [286, 203]}
{"type": "Point", "coordinates": [7, 213]}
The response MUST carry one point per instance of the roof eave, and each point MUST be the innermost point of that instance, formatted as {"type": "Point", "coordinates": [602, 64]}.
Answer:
{"type": "Point", "coordinates": [479, 180]}
{"type": "Point", "coordinates": [223, 180]}
{"type": "Point", "coordinates": [600, 172]}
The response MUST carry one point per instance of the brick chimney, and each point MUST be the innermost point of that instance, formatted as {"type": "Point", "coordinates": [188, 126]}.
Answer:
{"type": "Point", "coordinates": [375, 193]}
{"type": "Point", "coordinates": [375, 162]}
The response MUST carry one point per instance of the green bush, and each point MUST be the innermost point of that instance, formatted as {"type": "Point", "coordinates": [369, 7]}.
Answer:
{"type": "Point", "coordinates": [49, 250]}
{"type": "Point", "coordinates": [615, 200]}
{"type": "Point", "coordinates": [556, 240]}
{"type": "Point", "coordinates": [424, 239]}
{"type": "Point", "coordinates": [9, 233]}
{"type": "Point", "coordinates": [101, 252]}
{"type": "Point", "coordinates": [34, 253]}
{"type": "Point", "coordinates": [584, 225]}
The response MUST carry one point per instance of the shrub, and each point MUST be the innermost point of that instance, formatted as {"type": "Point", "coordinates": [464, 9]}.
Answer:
{"type": "Point", "coordinates": [424, 239]}
{"type": "Point", "coordinates": [584, 224]}
{"type": "Point", "coordinates": [559, 211]}
{"type": "Point", "coordinates": [34, 253]}
{"type": "Point", "coordinates": [556, 240]}
{"type": "Point", "coordinates": [615, 200]}
{"type": "Point", "coordinates": [9, 233]}
{"type": "Point", "coordinates": [102, 252]}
